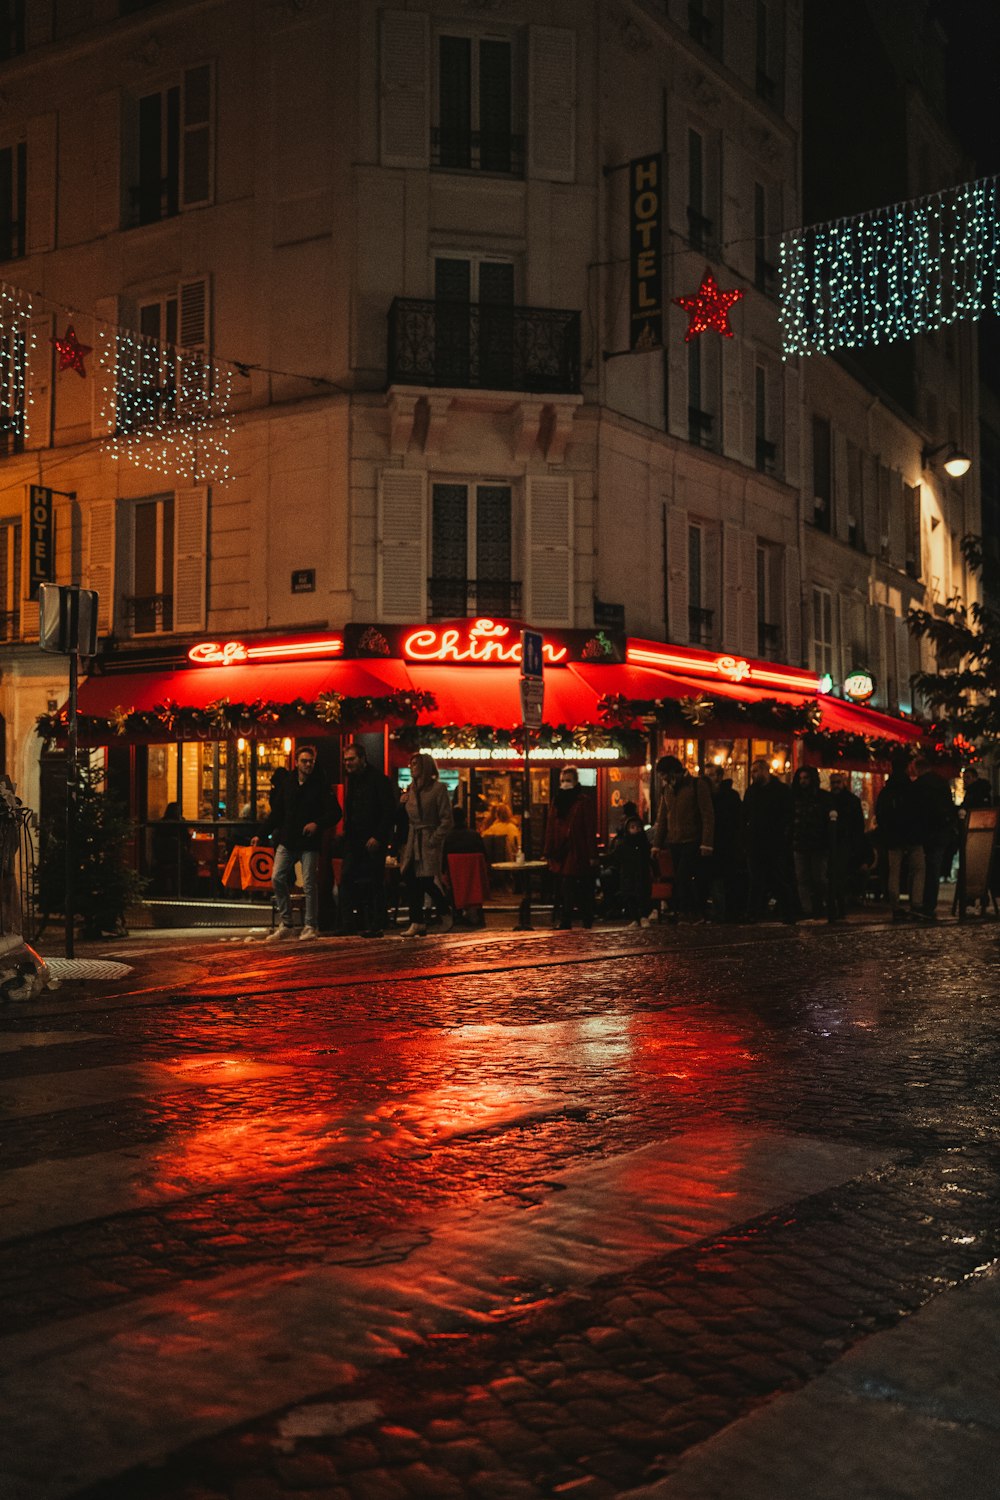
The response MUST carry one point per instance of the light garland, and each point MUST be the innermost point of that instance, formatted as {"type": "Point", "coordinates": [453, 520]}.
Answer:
{"type": "Point", "coordinates": [892, 273]}
{"type": "Point", "coordinates": [17, 341]}
{"type": "Point", "coordinates": [166, 409]}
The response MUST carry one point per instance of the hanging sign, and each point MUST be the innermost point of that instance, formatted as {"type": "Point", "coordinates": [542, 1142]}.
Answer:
{"type": "Point", "coordinates": [645, 176]}
{"type": "Point", "coordinates": [40, 558]}
{"type": "Point", "coordinates": [859, 686]}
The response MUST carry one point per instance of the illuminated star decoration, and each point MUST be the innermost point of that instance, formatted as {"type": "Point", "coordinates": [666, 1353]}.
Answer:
{"type": "Point", "coordinates": [71, 352]}
{"type": "Point", "coordinates": [708, 308]}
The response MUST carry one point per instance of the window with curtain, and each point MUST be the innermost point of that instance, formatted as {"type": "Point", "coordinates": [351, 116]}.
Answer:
{"type": "Point", "coordinates": [472, 551]}
{"type": "Point", "coordinates": [475, 106]}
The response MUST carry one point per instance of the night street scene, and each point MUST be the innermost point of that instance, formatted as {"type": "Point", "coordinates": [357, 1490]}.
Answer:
{"type": "Point", "coordinates": [499, 640]}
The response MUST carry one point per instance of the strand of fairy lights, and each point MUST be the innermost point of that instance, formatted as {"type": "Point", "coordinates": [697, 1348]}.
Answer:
{"type": "Point", "coordinates": [166, 409]}
{"type": "Point", "coordinates": [17, 342]}
{"type": "Point", "coordinates": [891, 273]}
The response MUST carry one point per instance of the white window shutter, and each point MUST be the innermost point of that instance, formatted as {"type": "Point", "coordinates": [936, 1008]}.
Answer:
{"type": "Point", "coordinates": [197, 154]}
{"type": "Point", "coordinates": [841, 488]}
{"type": "Point", "coordinates": [405, 89]}
{"type": "Point", "coordinates": [871, 537]}
{"type": "Point", "coordinates": [190, 557]}
{"type": "Point", "coordinates": [193, 314]}
{"type": "Point", "coordinates": [733, 367]}
{"type": "Point", "coordinates": [107, 121]}
{"type": "Point", "coordinates": [107, 318]}
{"type": "Point", "coordinates": [101, 561]}
{"type": "Point", "coordinates": [677, 576]}
{"type": "Point", "coordinates": [904, 689]}
{"type": "Point", "coordinates": [549, 592]}
{"type": "Point", "coordinates": [402, 565]}
{"type": "Point", "coordinates": [732, 538]}
{"type": "Point", "coordinates": [29, 607]}
{"type": "Point", "coordinates": [897, 544]}
{"type": "Point", "coordinates": [792, 579]}
{"type": "Point", "coordinates": [41, 195]}
{"type": "Point", "coordinates": [746, 636]}
{"type": "Point", "coordinates": [711, 543]}
{"type": "Point", "coordinates": [38, 416]}
{"type": "Point", "coordinates": [552, 103]}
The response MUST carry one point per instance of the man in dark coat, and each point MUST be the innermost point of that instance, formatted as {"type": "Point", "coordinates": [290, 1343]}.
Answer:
{"type": "Point", "coordinates": [686, 825]}
{"type": "Point", "coordinates": [301, 809]}
{"type": "Point", "coordinates": [767, 812]}
{"type": "Point", "coordinates": [729, 860]}
{"type": "Point", "coordinates": [938, 829]}
{"type": "Point", "coordinates": [899, 833]}
{"type": "Point", "coordinates": [369, 813]}
{"type": "Point", "coordinates": [847, 845]}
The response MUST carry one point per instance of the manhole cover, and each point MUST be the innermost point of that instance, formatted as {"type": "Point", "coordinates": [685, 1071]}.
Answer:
{"type": "Point", "coordinates": [86, 968]}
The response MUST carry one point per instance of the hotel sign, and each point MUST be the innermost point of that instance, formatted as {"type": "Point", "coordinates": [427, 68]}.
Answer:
{"type": "Point", "coordinates": [645, 176]}
{"type": "Point", "coordinates": [41, 561]}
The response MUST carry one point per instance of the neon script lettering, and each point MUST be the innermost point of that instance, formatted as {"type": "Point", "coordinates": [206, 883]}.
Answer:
{"type": "Point", "coordinates": [211, 654]}
{"type": "Point", "coordinates": [486, 642]}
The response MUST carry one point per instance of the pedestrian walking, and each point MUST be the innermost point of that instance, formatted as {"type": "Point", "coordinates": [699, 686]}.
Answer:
{"type": "Point", "coordinates": [899, 834]}
{"type": "Point", "coordinates": [630, 858]}
{"type": "Point", "coordinates": [728, 865]}
{"type": "Point", "coordinates": [848, 853]}
{"type": "Point", "coordinates": [938, 829]}
{"type": "Point", "coordinates": [570, 848]}
{"type": "Point", "coordinates": [810, 841]}
{"type": "Point", "coordinates": [686, 825]}
{"type": "Point", "coordinates": [301, 809]}
{"type": "Point", "coordinates": [429, 818]}
{"type": "Point", "coordinates": [767, 811]}
{"type": "Point", "coordinates": [369, 813]}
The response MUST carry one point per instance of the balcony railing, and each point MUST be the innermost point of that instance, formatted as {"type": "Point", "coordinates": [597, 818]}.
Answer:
{"type": "Point", "coordinates": [148, 614]}
{"type": "Point", "coordinates": [700, 626]}
{"type": "Point", "coordinates": [458, 598]}
{"type": "Point", "coordinates": [478, 151]}
{"type": "Point", "coordinates": [484, 346]}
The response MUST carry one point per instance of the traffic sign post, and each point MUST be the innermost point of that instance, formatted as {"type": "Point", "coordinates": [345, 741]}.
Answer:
{"type": "Point", "coordinates": [532, 699]}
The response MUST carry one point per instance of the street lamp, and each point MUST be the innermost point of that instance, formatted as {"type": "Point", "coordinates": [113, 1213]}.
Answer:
{"type": "Point", "coordinates": [956, 463]}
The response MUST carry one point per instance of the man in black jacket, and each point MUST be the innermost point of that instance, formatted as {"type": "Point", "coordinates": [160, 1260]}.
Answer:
{"type": "Point", "coordinates": [767, 811]}
{"type": "Point", "coordinates": [938, 826]}
{"type": "Point", "coordinates": [369, 813]}
{"type": "Point", "coordinates": [301, 807]}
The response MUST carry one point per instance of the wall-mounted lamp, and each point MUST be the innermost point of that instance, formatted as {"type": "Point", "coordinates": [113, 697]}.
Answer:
{"type": "Point", "coordinates": [956, 463]}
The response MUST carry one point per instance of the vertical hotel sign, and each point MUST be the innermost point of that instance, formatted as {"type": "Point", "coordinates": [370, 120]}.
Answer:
{"type": "Point", "coordinates": [645, 176]}
{"type": "Point", "coordinates": [41, 562]}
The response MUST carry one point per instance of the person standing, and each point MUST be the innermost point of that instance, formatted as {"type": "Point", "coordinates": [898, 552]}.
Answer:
{"type": "Point", "coordinates": [429, 819]}
{"type": "Point", "coordinates": [301, 808]}
{"type": "Point", "coordinates": [686, 825]}
{"type": "Point", "coordinates": [898, 820]}
{"type": "Point", "coordinates": [767, 809]}
{"type": "Point", "coordinates": [728, 863]}
{"type": "Point", "coordinates": [570, 848]}
{"type": "Point", "coordinates": [630, 856]}
{"type": "Point", "coordinates": [975, 790]}
{"type": "Point", "coordinates": [937, 822]}
{"type": "Point", "coordinates": [848, 848]}
{"type": "Point", "coordinates": [369, 813]}
{"type": "Point", "coordinates": [811, 841]}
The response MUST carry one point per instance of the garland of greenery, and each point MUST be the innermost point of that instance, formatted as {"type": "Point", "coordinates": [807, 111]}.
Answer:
{"type": "Point", "coordinates": [630, 743]}
{"type": "Point", "coordinates": [222, 718]}
{"type": "Point", "coordinates": [698, 711]}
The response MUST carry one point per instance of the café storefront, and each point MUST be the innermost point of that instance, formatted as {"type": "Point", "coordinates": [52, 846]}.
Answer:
{"type": "Point", "coordinates": [198, 734]}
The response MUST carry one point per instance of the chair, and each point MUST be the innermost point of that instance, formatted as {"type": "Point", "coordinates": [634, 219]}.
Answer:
{"type": "Point", "coordinates": [469, 878]}
{"type": "Point", "coordinates": [663, 878]}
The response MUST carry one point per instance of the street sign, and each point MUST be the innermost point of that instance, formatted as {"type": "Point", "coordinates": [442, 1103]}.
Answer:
{"type": "Point", "coordinates": [532, 698]}
{"type": "Point", "coordinates": [67, 619]}
{"type": "Point", "coordinates": [531, 654]}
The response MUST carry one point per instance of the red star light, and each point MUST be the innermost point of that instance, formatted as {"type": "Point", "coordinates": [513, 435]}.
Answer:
{"type": "Point", "coordinates": [708, 308]}
{"type": "Point", "coordinates": [71, 352]}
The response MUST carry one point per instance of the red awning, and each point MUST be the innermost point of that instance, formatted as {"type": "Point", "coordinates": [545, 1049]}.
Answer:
{"type": "Point", "coordinates": [491, 695]}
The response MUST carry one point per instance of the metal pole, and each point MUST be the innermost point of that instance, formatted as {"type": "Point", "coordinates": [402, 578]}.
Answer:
{"type": "Point", "coordinates": [524, 922]}
{"type": "Point", "coordinates": [71, 804]}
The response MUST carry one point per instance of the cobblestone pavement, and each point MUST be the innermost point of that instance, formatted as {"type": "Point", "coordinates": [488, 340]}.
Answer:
{"type": "Point", "coordinates": [522, 1216]}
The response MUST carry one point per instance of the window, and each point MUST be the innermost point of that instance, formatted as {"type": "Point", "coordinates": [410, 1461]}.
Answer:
{"type": "Point", "coordinates": [699, 222]}
{"type": "Point", "coordinates": [769, 643]}
{"type": "Point", "coordinates": [704, 24]}
{"type": "Point", "coordinates": [766, 392]}
{"type": "Point", "coordinates": [701, 614]}
{"type": "Point", "coordinates": [13, 387]}
{"type": "Point", "coordinates": [13, 200]}
{"type": "Point", "coordinates": [822, 474]}
{"type": "Point", "coordinates": [822, 631]}
{"type": "Point", "coordinates": [474, 323]}
{"type": "Point", "coordinates": [471, 552]}
{"type": "Point", "coordinates": [911, 525]}
{"type": "Point", "coordinates": [164, 369]}
{"type": "Point", "coordinates": [174, 147]}
{"type": "Point", "coordinates": [11, 28]}
{"type": "Point", "coordinates": [704, 373]}
{"type": "Point", "coordinates": [769, 52]}
{"type": "Point", "coordinates": [475, 106]}
{"type": "Point", "coordinates": [150, 601]}
{"type": "Point", "coordinates": [10, 580]}
{"type": "Point", "coordinates": [764, 275]}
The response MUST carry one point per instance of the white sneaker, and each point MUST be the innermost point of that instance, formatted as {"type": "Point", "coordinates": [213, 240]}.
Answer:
{"type": "Point", "coordinates": [278, 934]}
{"type": "Point", "coordinates": [414, 930]}
{"type": "Point", "coordinates": [307, 934]}
{"type": "Point", "coordinates": [643, 921]}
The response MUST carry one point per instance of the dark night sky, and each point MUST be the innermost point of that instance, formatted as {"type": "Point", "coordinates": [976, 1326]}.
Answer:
{"type": "Point", "coordinates": [973, 27]}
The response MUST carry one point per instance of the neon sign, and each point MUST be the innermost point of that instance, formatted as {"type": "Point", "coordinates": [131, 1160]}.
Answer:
{"type": "Point", "coordinates": [733, 668]}
{"type": "Point", "coordinates": [226, 654]}
{"type": "Point", "coordinates": [483, 642]}
{"type": "Point", "coordinates": [859, 686]}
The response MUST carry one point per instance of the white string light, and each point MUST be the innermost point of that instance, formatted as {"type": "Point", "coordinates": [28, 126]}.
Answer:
{"type": "Point", "coordinates": [891, 273]}
{"type": "Point", "coordinates": [17, 342]}
{"type": "Point", "coordinates": [166, 409]}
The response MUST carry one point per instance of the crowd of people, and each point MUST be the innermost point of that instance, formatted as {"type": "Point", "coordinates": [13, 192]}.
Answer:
{"type": "Point", "coordinates": [782, 852]}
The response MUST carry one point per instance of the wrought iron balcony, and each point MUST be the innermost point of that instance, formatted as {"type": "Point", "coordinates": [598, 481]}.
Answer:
{"type": "Point", "coordinates": [458, 598]}
{"type": "Point", "coordinates": [478, 151]}
{"type": "Point", "coordinates": [484, 346]}
{"type": "Point", "coordinates": [700, 626]}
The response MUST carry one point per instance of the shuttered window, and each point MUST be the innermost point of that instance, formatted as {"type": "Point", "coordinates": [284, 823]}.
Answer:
{"type": "Point", "coordinates": [13, 200]}
{"type": "Point", "coordinates": [174, 147]}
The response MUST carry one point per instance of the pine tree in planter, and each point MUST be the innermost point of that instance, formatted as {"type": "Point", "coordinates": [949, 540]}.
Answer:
{"type": "Point", "coordinates": [105, 884]}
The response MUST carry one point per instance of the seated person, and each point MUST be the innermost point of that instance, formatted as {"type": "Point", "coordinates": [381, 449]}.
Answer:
{"type": "Point", "coordinates": [174, 867]}
{"type": "Point", "coordinates": [461, 839]}
{"type": "Point", "coordinates": [503, 832]}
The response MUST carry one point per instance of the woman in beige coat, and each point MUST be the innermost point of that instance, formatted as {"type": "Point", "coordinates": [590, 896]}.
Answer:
{"type": "Point", "coordinates": [428, 809]}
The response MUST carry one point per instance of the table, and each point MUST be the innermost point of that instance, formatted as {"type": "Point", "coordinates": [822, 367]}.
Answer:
{"type": "Point", "coordinates": [527, 868]}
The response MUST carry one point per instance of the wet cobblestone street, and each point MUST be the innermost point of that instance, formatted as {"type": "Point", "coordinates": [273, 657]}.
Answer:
{"type": "Point", "coordinates": [572, 1214]}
